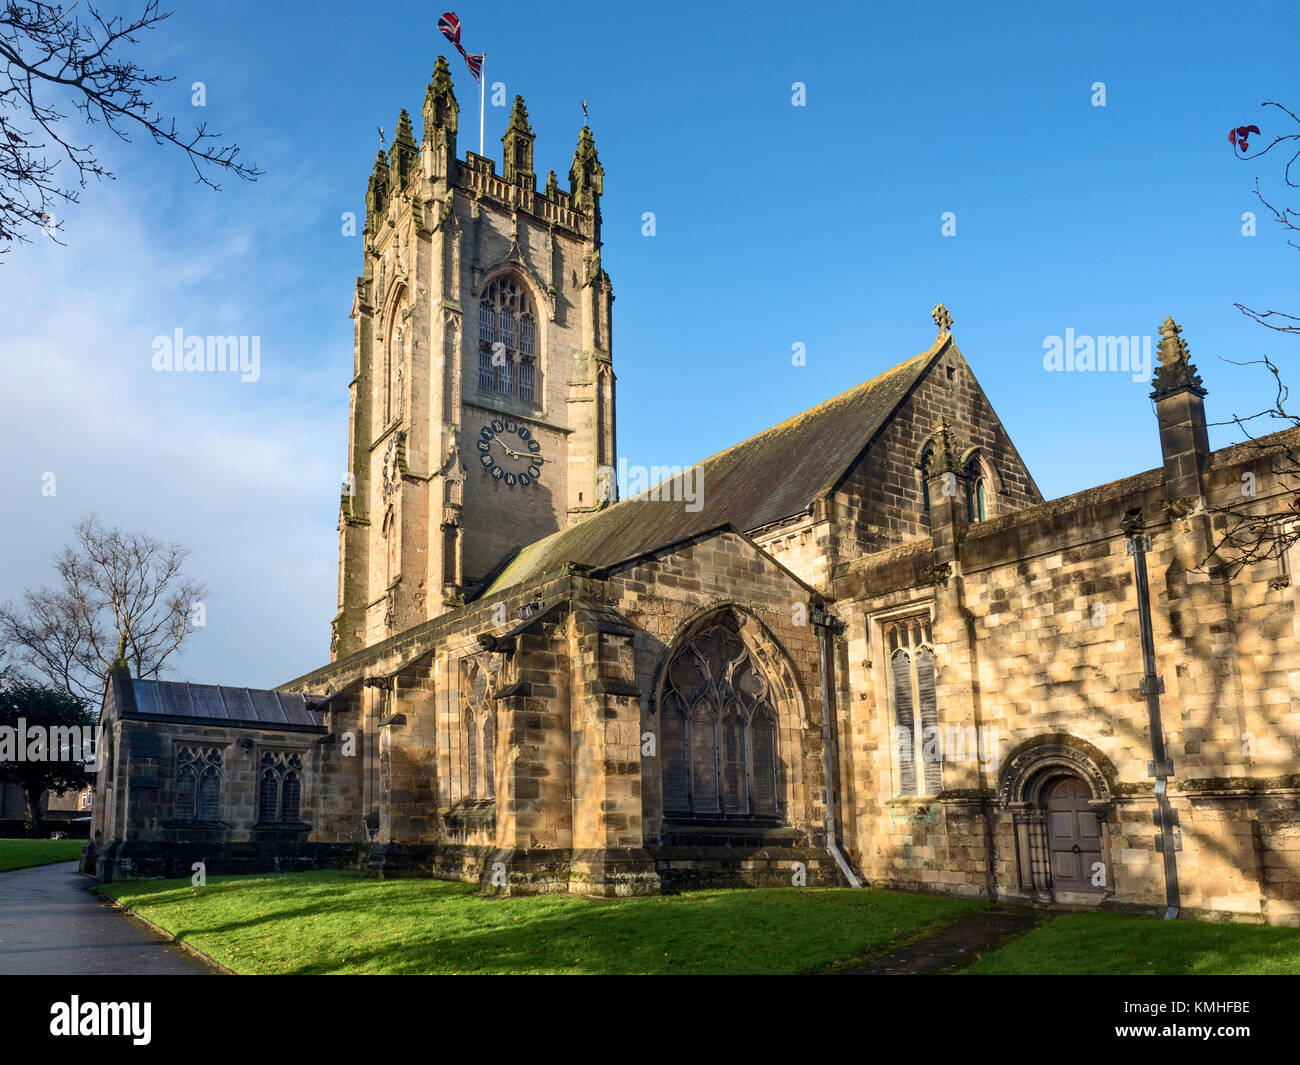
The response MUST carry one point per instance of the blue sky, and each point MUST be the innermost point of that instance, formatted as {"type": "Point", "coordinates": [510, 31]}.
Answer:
{"type": "Point", "coordinates": [775, 225]}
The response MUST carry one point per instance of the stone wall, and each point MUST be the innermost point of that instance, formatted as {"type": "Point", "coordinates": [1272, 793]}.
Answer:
{"type": "Point", "coordinates": [1036, 632]}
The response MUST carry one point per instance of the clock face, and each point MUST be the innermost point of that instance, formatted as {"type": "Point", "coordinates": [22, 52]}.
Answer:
{"type": "Point", "coordinates": [509, 453]}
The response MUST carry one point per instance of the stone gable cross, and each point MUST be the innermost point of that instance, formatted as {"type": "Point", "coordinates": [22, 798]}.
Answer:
{"type": "Point", "coordinates": [942, 318]}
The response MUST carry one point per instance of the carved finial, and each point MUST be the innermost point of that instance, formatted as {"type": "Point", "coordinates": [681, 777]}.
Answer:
{"type": "Point", "coordinates": [942, 318]}
{"type": "Point", "coordinates": [1175, 372]}
{"type": "Point", "coordinates": [120, 661]}
{"type": "Point", "coordinates": [401, 156]}
{"type": "Point", "coordinates": [441, 111]}
{"type": "Point", "coordinates": [945, 458]}
{"type": "Point", "coordinates": [519, 118]}
{"type": "Point", "coordinates": [586, 175]}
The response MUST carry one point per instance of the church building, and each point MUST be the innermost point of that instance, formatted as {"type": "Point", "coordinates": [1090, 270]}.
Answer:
{"type": "Point", "coordinates": [857, 648]}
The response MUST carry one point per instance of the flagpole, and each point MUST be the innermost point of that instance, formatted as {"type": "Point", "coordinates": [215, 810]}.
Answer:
{"type": "Point", "coordinates": [482, 90]}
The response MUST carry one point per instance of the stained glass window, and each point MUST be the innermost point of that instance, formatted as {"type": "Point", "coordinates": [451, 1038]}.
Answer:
{"type": "Point", "coordinates": [719, 737]}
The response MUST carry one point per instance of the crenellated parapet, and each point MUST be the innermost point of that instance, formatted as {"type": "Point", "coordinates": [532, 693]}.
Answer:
{"type": "Point", "coordinates": [398, 171]}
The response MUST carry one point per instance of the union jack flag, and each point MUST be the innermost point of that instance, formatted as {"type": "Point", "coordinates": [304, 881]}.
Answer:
{"type": "Point", "coordinates": [449, 24]}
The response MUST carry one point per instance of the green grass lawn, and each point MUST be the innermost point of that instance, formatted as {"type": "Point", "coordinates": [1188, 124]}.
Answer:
{"type": "Point", "coordinates": [1116, 944]}
{"type": "Point", "coordinates": [340, 922]}
{"type": "Point", "coordinates": [22, 853]}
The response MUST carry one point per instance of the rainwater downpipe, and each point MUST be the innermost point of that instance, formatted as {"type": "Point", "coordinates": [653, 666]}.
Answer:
{"type": "Point", "coordinates": [824, 622]}
{"type": "Point", "coordinates": [1161, 767]}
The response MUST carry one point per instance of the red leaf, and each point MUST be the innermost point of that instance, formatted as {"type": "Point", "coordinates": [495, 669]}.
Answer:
{"type": "Point", "coordinates": [1232, 136]}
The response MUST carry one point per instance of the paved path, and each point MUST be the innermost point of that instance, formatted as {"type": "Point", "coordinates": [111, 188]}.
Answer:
{"type": "Point", "coordinates": [953, 945]}
{"type": "Point", "coordinates": [51, 923]}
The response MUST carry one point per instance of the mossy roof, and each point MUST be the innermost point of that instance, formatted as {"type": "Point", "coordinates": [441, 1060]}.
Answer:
{"type": "Point", "coordinates": [770, 477]}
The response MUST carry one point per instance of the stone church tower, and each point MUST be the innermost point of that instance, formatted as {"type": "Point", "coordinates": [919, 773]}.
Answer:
{"type": "Point", "coordinates": [482, 395]}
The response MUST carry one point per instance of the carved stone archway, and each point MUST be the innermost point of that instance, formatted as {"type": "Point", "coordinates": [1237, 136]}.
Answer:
{"type": "Point", "coordinates": [1023, 783]}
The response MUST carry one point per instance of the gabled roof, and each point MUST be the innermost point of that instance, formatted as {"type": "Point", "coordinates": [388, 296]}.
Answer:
{"type": "Point", "coordinates": [770, 477]}
{"type": "Point", "coordinates": [245, 707]}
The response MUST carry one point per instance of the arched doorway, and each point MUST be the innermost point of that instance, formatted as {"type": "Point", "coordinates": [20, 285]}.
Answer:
{"type": "Point", "coordinates": [1057, 792]}
{"type": "Point", "coordinates": [1073, 836]}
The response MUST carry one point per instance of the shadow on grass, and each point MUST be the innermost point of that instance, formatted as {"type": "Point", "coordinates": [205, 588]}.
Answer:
{"type": "Point", "coordinates": [340, 922]}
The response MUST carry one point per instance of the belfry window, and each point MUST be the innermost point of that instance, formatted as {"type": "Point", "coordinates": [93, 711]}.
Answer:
{"type": "Point", "coordinates": [719, 731]}
{"type": "Point", "coordinates": [279, 788]}
{"type": "Point", "coordinates": [198, 784]}
{"type": "Point", "coordinates": [527, 336]}
{"type": "Point", "coordinates": [916, 740]}
{"type": "Point", "coordinates": [487, 332]}
{"type": "Point", "coordinates": [507, 336]}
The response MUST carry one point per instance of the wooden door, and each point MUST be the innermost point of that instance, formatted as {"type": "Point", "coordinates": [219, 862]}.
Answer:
{"type": "Point", "coordinates": [1073, 835]}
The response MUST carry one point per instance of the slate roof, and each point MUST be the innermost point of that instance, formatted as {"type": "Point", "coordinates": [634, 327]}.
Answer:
{"type": "Point", "coordinates": [213, 702]}
{"type": "Point", "coordinates": [765, 479]}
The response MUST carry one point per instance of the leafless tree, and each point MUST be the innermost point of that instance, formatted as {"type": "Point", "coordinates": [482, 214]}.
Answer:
{"type": "Point", "coordinates": [1247, 533]}
{"type": "Point", "coordinates": [55, 57]}
{"type": "Point", "coordinates": [117, 592]}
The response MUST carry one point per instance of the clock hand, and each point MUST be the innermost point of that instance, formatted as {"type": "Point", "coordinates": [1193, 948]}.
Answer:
{"type": "Point", "coordinates": [520, 455]}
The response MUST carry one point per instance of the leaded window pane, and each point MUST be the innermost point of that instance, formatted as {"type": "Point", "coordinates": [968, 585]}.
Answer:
{"type": "Point", "coordinates": [210, 795]}
{"type": "Point", "coordinates": [704, 760]}
{"type": "Point", "coordinates": [268, 804]}
{"type": "Point", "coordinates": [735, 793]}
{"type": "Point", "coordinates": [507, 333]}
{"type": "Point", "coordinates": [526, 375]}
{"type": "Point", "coordinates": [677, 783]}
{"type": "Point", "coordinates": [505, 376]}
{"type": "Point", "coordinates": [486, 323]}
{"type": "Point", "coordinates": [904, 723]}
{"type": "Point", "coordinates": [929, 711]}
{"type": "Point", "coordinates": [762, 738]}
{"type": "Point", "coordinates": [486, 371]}
{"type": "Point", "coordinates": [290, 797]}
{"type": "Point", "coordinates": [527, 335]}
{"type": "Point", "coordinates": [186, 790]}
{"type": "Point", "coordinates": [489, 757]}
{"type": "Point", "coordinates": [471, 749]}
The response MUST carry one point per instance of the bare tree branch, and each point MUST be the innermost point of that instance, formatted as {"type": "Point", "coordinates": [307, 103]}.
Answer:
{"type": "Point", "coordinates": [49, 53]}
{"type": "Point", "coordinates": [114, 588]}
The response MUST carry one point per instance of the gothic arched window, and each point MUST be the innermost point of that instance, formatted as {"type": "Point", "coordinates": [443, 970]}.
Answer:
{"type": "Point", "coordinates": [478, 727]}
{"type": "Point", "coordinates": [198, 784]}
{"type": "Point", "coordinates": [977, 489]}
{"type": "Point", "coordinates": [507, 337]}
{"type": "Point", "coordinates": [718, 730]}
{"type": "Point", "coordinates": [917, 740]}
{"type": "Point", "coordinates": [279, 788]}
